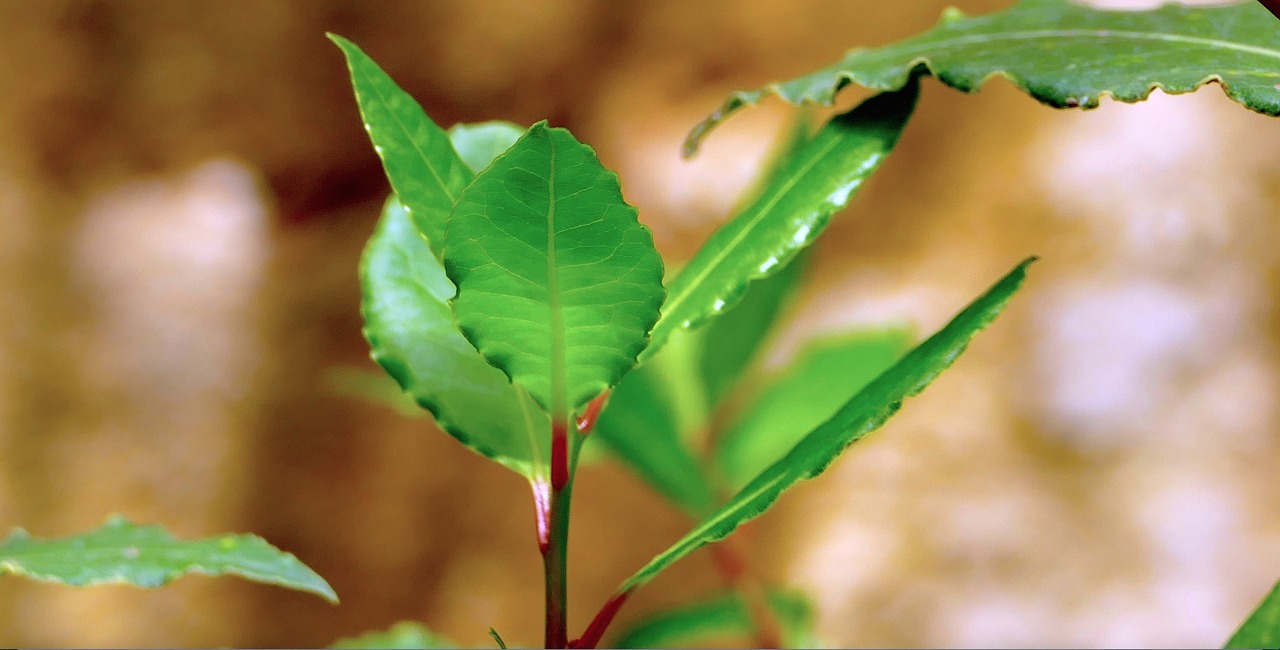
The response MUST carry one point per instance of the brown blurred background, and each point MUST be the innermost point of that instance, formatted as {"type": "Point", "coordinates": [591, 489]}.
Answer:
{"type": "Point", "coordinates": [185, 189]}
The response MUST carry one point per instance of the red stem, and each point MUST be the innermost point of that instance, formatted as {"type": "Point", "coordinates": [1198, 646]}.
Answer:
{"type": "Point", "coordinates": [587, 421]}
{"type": "Point", "coordinates": [591, 637]}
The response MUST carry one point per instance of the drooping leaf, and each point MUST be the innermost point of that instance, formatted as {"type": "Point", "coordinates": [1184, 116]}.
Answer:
{"type": "Point", "coordinates": [412, 335]}
{"type": "Point", "coordinates": [421, 164]}
{"type": "Point", "coordinates": [866, 412]}
{"type": "Point", "coordinates": [1063, 54]}
{"type": "Point", "coordinates": [824, 376]}
{"type": "Point", "coordinates": [121, 552]}
{"type": "Point", "coordinates": [405, 635]}
{"type": "Point", "coordinates": [793, 210]}
{"type": "Point", "coordinates": [558, 284]}
{"type": "Point", "coordinates": [478, 144]}
{"type": "Point", "coordinates": [1262, 628]}
{"type": "Point", "coordinates": [720, 619]}
{"type": "Point", "coordinates": [641, 426]}
{"type": "Point", "coordinates": [732, 342]}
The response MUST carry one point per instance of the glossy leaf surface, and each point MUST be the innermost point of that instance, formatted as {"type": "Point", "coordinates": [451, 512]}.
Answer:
{"type": "Point", "coordinates": [558, 284]}
{"type": "Point", "coordinates": [1262, 628]}
{"type": "Point", "coordinates": [866, 412]}
{"type": "Point", "coordinates": [421, 164]}
{"type": "Point", "coordinates": [796, 205]}
{"type": "Point", "coordinates": [120, 552]}
{"type": "Point", "coordinates": [824, 376]}
{"type": "Point", "coordinates": [405, 635]}
{"type": "Point", "coordinates": [412, 335]}
{"type": "Point", "coordinates": [725, 618]}
{"type": "Point", "coordinates": [1063, 54]}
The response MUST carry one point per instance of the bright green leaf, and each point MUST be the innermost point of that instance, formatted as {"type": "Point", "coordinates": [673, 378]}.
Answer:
{"type": "Point", "coordinates": [826, 375]}
{"type": "Point", "coordinates": [411, 333]}
{"type": "Point", "coordinates": [866, 412]}
{"type": "Point", "coordinates": [405, 635]}
{"type": "Point", "coordinates": [720, 619]}
{"type": "Point", "coordinates": [815, 182]}
{"type": "Point", "coordinates": [478, 144]}
{"type": "Point", "coordinates": [1262, 628]}
{"type": "Point", "coordinates": [1063, 54]}
{"type": "Point", "coordinates": [558, 283]}
{"type": "Point", "coordinates": [424, 170]}
{"type": "Point", "coordinates": [148, 556]}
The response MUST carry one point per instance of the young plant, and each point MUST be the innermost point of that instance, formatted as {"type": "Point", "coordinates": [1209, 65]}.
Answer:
{"type": "Point", "coordinates": [511, 292]}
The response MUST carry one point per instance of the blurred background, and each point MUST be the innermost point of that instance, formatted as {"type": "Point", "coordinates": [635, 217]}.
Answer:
{"type": "Point", "coordinates": [185, 189]}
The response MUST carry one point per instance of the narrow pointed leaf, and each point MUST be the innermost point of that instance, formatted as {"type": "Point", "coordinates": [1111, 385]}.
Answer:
{"type": "Point", "coordinates": [815, 182]}
{"type": "Point", "coordinates": [405, 635]}
{"type": "Point", "coordinates": [412, 335]}
{"type": "Point", "coordinates": [421, 164]}
{"type": "Point", "coordinates": [720, 619]}
{"type": "Point", "coordinates": [478, 144]}
{"type": "Point", "coordinates": [826, 375]}
{"type": "Point", "coordinates": [147, 556]}
{"type": "Point", "coordinates": [866, 412]}
{"type": "Point", "coordinates": [1063, 54]}
{"type": "Point", "coordinates": [1262, 628]}
{"type": "Point", "coordinates": [558, 283]}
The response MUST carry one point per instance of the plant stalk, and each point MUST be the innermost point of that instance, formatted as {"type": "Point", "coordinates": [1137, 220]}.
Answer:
{"type": "Point", "coordinates": [555, 550]}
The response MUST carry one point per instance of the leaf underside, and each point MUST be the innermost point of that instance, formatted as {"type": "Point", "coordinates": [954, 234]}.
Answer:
{"type": "Point", "coordinates": [558, 284]}
{"type": "Point", "coordinates": [121, 552]}
{"type": "Point", "coordinates": [1262, 628]}
{"type": "Point", "coordinates": [1063, 54]}
{"type": "Point", "coordinates": [866, 412]}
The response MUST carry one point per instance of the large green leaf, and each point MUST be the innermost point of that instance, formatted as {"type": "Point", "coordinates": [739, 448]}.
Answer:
{"type": "Point", "coordinates": [866, 412]}
{"type": "Point", "coordinates": [421, 164]}
{"type": "Point", "coordinates": [558, 284]}
{"type": "Point", "coordinates": [1262, 628]}
{"type": "Point", "coordinates": [826, 375]}
{"type": "Point", "coordinates": [808, 187]}
{"type": "Point", "coordinates": [148, 556]}
{"type": "Point", "coordinates": [405, 635]}
{"type": "Point", "coordinates": [411, 333]}
{"type": "Point", "coordinates": [1063, 54]}
{"type": "Point", "coordinates": [725, 617]}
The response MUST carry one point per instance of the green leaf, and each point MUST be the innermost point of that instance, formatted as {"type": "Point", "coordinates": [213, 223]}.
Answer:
{"type": "Point", "coordinates": [558, 283]}
{"type": "Point", "coordinates": [722, 619]}
{"type": "Point", "coordinates": [406, 635]}
{"type": "Point", "coordinates": [412, 335]}
{"type": "Point", "coordinates": [732, 342]}
{"type": "Point", "coordinates": [148, 556]}
{"type": "Point", "coordinates": [866, 412]}
{"type": "Point", "coordinates": [372, 386]}
{"type": "Point", "coordinates": [815, 182]}
{"type": "Point", "coordinates": [1262, 628]}
{"type": "Point", "coordinates": [1063, 54]}
{"type": "Point", "coordinates": [826, 375]}
{"type": "Point", "coordinates": [641, 426]}
{"type": "Point", "coordinates": [478, 144]}
{"type": "Point", "coordinates": [424, 170]}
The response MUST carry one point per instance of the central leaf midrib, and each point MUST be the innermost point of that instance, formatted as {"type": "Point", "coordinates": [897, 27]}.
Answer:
{"type": "Point", "coordinates": [559, 408]}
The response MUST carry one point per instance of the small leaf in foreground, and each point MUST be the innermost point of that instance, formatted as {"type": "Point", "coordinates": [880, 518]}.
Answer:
{"type": "Point", "coordinates": [866, 412]}
{"type": "Point", "coordinates": [817, 180]}
{"type": "Point", "coordinates": [148, 556]}
{"type": "Point", "coordinates": [558, 283]}
{"type": "Point", "coordinates": [1063, 54]}
{"type": "Point", "coordinates": [1262, 628]}
{"type": "Point", "coordinates": [722, 619]}
{"type": "Point", "coordinates": [405, 635]}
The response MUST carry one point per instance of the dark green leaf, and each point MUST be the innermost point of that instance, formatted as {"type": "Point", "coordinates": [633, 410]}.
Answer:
{"type": "Point", "coordinates": [406, 635]}
{"type": "Point", "coordinates": [412, 335]}
{"type": "Point", "coordinates": [558, 283]}
{"type": "Point", "coordinates": [1262, 628]}
{"type": "Point", "coordinates": [826, 375]}
{"type": "Point", "coordinates": [424, 170]}
{"type": "Point", "coordinates": [478, 144]}
{"type": "Point", "coordinates": [1063, 54]}
{"type": "Point", "coordinates": [792, 211]}
{"type": "Point", "coordinates": [866, 412]}
{"type": "Point", "coordinates": [148, 556]}
{"type": "Point", "coordinates": [723, 618]}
